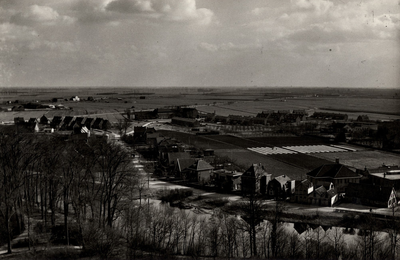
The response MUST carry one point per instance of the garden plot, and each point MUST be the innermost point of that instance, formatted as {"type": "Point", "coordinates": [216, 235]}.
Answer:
{"type": "Point", "coordinates": [315, 149]}
{"type": "Point", "coordinates": [270, 151]}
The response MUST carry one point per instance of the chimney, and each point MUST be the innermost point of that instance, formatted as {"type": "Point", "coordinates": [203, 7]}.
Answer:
{"type": "Point", "coordinates": [337, 160]}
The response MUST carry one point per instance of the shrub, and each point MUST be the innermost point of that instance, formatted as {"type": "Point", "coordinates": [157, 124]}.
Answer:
{"type": "Point", "coordinates": [60, 254]}
{"type": "Point", "coordinates": [40, 228]}
{"type": "Point", "coordinates": [105, 243]}
{"type": "Point", "coordinates": [218, 202]}
{"type": "Point", "coordinates": [21, 243]}
{"type": "Point", "coordinates": [58, 235]}
{"type": "Point", "coordinates": [176, 194]}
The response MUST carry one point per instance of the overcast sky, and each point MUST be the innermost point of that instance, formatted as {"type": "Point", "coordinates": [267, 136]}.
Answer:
{"type": "Point", "coordinates": [200, 43]}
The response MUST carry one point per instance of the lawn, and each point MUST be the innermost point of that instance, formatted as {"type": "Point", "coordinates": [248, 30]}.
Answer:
{"type": "Point", "coordinates": [361, 159]}
{"type": "Point", "coordinates": [276, 167]}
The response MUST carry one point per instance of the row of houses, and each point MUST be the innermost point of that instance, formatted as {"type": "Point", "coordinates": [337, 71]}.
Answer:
{"type": "Point", "coordinates": [323, 186]}
{"type": "Point", "coordinates": [256, 179]}
{"type": "Point", "coordinates": [60, 123]}
{"type": "Point", "coordinates": [163, 113]}
{"type": "Point", "coordinates": [269, 117]}
{"type": "Point", "coordinates": [273, 117]}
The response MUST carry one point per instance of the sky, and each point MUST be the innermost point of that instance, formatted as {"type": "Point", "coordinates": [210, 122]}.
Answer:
{"type": "Point", "coordinates": [327, 43]}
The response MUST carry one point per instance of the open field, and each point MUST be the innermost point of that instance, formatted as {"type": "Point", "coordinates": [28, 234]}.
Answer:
{"type": "Point", "coordinates": [272, 152]}
{"type": "Point", "coordinates": [315, 149]}
{"type": "Point", "coordinates": [275, 167]}
{"type": "Point", "coordinates": [363, 158]}
{"type": "Point", "coordinates": [383, 108]}
{"type": "Point", "coordinates": [269, 141]}
{"type": "Point", "coordinates": [240, 101]}
{"type": "Point", "coordinates": [305, 149]}
{"type": "Point", "coordinates": [301, 160]}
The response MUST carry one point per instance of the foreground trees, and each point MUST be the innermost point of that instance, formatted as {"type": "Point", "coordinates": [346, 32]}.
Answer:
{"type": "Point", "coordinates": [14, 161]}
{"type": "Point", "coordinates": [87, 180]}
{"type": "Point", "coordinates": [97, 191]}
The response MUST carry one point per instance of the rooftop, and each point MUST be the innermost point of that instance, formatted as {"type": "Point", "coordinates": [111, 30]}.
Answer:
{"type": "Point", "coordinates": [335, 171]}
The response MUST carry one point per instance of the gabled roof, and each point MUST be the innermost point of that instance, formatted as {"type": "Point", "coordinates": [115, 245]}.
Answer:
{"type": "Point", "coordinates": [256, 170]}
{"type": "Point", "coordinates": [172, 157]}
{"type": "Point", "coordinates": [201, 165]}
{"type": "Point", "coordinates": [282, 179]}
{"type": "Point", "coordinates": [183, 164]}
{"type": "Point", "coordinates": [331, 192]}
{"type": "Point", "coordinates": [320, 190]}
{"type": "Point", "coordinates": [335, 171]}
{"type": "Point", "coordinates": [306, 183]}
{"type": "Point", "coordinates": [32, 120]}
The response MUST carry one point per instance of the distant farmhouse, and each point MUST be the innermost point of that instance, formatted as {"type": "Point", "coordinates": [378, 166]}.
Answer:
{"type": "Point", "coordinates": [338, 174]}
{"type": "Point", "coordinates": [255, 180]}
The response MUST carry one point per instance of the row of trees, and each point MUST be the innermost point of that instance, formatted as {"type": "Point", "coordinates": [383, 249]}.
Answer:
{"type": "Point", "coordinates": [94, 186]}
{"type": "Point", "coordinates": [85, 181]}
{"type": "Point", "coordinates": [163, 231]}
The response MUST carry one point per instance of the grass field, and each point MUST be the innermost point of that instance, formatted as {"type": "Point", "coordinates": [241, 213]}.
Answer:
{"type": "Point", "coordinates": [240, 101]}
{"type": "Point", "coordinates": [301, 160]}
{"type": "Point", "coordinates": [363, 158]}
{"type": "Point", "coordinates": [269, 141]}
{"type": "Point", "coordinates": [357, 105]}
{"type": "Point", "coordinates": [293, 164]}
{"type": "Point", "coordinates": [273, 166]}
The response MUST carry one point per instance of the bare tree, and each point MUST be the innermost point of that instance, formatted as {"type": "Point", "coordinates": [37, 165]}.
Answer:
{"type": "Point", "coordinates": [254, 213]}
{"type": "Point", "coordinates": [229, 233]}
{"type": "Point", "coordinates": [276, 229]}
{"type": "Point", "coordinates": [122, 125]}
{"type": "Point", "coordinates": [50, 167]}
{"type": "Point", "coordinates": [14, 160]}
{"type": "Point", "coordinates": [115, 168]}
{"type": "Point", "coordinates": [368, 239]}
{"type": "Point", "coordinates": [336, 236]}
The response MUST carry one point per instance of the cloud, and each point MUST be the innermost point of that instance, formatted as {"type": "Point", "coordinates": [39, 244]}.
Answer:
{"type": "Point", "coordinates": [172, 10]}
{"type": "Point", "coordinates": [64, 47]}
{"type": "Point", "coordinates": [12, 33]}
{"type": "Point", "coordinates": [319, 7]}
{"type": "Point", "coordinates": [228, 47]}
{"type": "Point", "coordinates": [322, 21]}
{"type": "Point", "coordinates": [127, 6]}
{"type": "Point", "coordinates": [35, 14]}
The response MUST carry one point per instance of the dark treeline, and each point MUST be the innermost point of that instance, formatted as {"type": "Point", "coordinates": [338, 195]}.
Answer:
{"type": "Point", "coordinates": [161, 231]}
{"type": "Point", "coordinates": [97, 191]}
{"type": "Point", "coordinates": [85, 182]}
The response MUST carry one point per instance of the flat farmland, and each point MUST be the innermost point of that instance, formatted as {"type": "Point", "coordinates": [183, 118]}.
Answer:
{"type": "Point", "coordinates": [377, 104]}
{"type": "Point", "coordinates": [363, 158]}
{"type": "Point", "coordinates": [9, 116]}
{"type": "Point", "coordinates": [237, 141]}
{"type": "Point", "coordinates": [374, 107]}
{"type": "Point", "coordinates": [294, 165]}
{"type": "Point", "coordinates": [273, 166]}
{"type": "Point", "coordinates": [289, 140]}
{"type": "Point", "coordinates": [278, 141]}
{"type": "Point", "coordinates": [301, 160]}
{"type": "Point", "coordinates": [235, 149]}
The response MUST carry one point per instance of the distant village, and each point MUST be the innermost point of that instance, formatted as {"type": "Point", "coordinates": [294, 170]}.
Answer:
{"type": "Point", "coordinates": [323, 186]}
